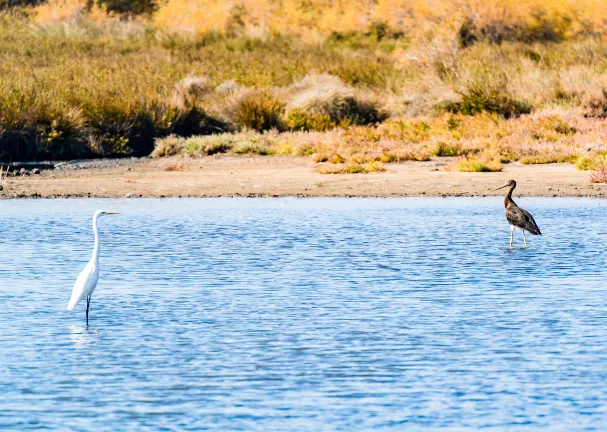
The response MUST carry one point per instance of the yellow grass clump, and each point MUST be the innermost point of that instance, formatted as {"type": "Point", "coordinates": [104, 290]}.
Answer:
{"type": "Point", "coordinates": [485, 162]}
{"type": "Point", "coordinates": [474, 19]}
{"type": "Point", "coordinates": [591, 161]}
{"type": "Point", "coordinates": [69, 11]}
{"type": "Point", "coordinates": [351, 168]}
{"type": "Point", "coordinates": [193, 16]}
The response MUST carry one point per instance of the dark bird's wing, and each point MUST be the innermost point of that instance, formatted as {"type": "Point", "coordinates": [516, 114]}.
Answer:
{"type": "Point", "coordinates": [522, 219]}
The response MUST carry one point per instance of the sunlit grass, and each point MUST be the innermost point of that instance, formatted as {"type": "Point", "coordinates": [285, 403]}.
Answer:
{"type": "Point", "coordinates": [351, 168]}
{"type": "Point", "coordinates": [592, 161]}
{"type": "Point", "coordinates": [526, 81]}
{"type": "Point", "coordinates": [482, 142]}
{"type": "Point", "coordinates": [526, 20]}
{"type": "Point", "coordinates": [480, 163]}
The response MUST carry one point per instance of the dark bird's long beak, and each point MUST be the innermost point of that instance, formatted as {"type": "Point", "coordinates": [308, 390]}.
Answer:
{"type": "Point", "coordinates": [501, 187]}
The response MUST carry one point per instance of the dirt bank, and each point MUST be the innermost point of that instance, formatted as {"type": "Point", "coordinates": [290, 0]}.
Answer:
{"type": "Point", "coordinates": [286, 176]}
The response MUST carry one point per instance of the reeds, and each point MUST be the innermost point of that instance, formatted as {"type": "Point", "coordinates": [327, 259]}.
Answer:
{"type": "Point", "coordinates": [393, 82]}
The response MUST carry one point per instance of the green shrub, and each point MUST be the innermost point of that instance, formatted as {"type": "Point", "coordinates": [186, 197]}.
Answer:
{"type": "Point", "coordinates": [253, 148]}
{"type": "Point", "coordinates": [375, 166]}
{"type": "Point", "coordinates": [355, 169]}
{"type": "Point", "coordinates": [119, 130]}
{"type": "Point", "coordinates": [443, 149]}
{"type": "Point", "coordinates": [209, 145]}
{"type": "Point", "coordinates": [378, 36]}
{"type": "Point", "coordinates": [168, 146]}
{"type": "Point", "coordinates": [585, 163]}
{"type": "Point", "coordinates": [256, 110]}
{"type": "Point", "coordinates": [300, 120]}
{"type": "Point", "coordinates": [388, 158]}
{"type": "Point", "coordinates": [481, 163]}
{"type": "Point", "coordinates": [38, 130]}
{"type": "Point", "coordinates": [590, 162]}
{"type": "Point", "coordinates": [484, 94]}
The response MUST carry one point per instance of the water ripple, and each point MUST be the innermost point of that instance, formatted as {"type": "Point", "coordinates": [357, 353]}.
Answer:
{"type": "Point", "coordinates": [320, 314]}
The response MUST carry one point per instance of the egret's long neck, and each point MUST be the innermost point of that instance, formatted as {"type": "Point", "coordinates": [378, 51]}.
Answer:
{"type": "Point", "coordinates": [96, 249]}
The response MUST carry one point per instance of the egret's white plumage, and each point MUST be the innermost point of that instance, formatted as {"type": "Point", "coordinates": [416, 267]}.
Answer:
{"type": "Point", "coordinates": [87, 280]}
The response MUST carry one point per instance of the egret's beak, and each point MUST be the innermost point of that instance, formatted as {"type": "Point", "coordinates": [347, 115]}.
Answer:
{"type": "Point", "coordinates": [111, 213]}
{"type": "Point", "coordinates": [501, 187]}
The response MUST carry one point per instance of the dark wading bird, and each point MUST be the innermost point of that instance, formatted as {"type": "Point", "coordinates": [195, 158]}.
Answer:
{"type": "Point", "coordinates": [516, 216]}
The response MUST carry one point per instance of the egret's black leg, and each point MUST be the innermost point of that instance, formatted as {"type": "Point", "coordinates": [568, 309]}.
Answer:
{"type": "Point", "coordinates": [88, 302]}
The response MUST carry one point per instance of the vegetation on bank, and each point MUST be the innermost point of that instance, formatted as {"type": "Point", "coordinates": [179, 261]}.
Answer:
{"type": "Point", "coordinates": [470, 20]}
{"type": "Point", "coordinates": [482, 142]}
{"type": "Point", "coordinates": [354, 85]}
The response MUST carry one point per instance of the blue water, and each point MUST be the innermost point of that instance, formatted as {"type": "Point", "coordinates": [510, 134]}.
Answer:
{"type": "Point", "coordinates": [304, 314]}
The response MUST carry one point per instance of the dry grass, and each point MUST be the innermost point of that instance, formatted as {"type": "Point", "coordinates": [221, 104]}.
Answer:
{"type": "Point", "coordinates": [178, 166]}
{"type": "Point", "coordinates": [168, 146]}
{"type": "Point", "coordinates": [369, 81]}
{"type": "Point", "coordinates": [485, 162]}
{"type": "Point", "coordinates": [322, 102]}
{"type": "Point", "coordinates": [472, 21]}
{"type": "Point", "coordinates": [599, 175]}
{"type": "Point", "coordinates": [483, 142]}
{"type": "Point", "coordinates": [352, 168]}
{"type": "Point", "coordinates": [81, 90]}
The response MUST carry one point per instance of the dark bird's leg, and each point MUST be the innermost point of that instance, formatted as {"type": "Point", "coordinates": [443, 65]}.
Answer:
{"type": "Point", "coordinates": [524, 238]}
{"type": "Point", "coordinates": [88, 302]}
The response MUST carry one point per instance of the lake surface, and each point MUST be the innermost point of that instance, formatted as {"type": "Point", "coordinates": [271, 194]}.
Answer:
{"type": "Point", "coordinates": [304, 314]}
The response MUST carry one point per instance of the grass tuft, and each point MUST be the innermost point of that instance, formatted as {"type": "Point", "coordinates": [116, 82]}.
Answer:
{"type": "Point", "coordinates": [444, 149]}
{"type": "Point", "coordinates": [322, 102]}
{"type": "Point", "coordinates": [376, 166]}
{"type": "Point", "coordinates": [599, 175]}
{"type": "Point", "coordinates": [256, 110]}
{"type": "Point", "coordinates": [167, 146]}
{"type": "Point", "coordinates": [591, 161]}
{"type": "Point", "coordinates": [335, 158]}
{"type": "Point", "coordinates": [482, 93]}
{"type": "Point", "coordinates": [479, 163]}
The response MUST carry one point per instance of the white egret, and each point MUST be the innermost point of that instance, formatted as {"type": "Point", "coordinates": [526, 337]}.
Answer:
{"type": "Point", "coordinates": [87, 280]}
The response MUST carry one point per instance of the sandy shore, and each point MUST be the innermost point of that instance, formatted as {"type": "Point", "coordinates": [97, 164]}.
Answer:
{"type": "Point", "coordinates": [286, 176]}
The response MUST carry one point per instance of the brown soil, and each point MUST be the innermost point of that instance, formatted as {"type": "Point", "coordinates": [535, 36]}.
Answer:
{"type": "Point", "coordinates": [287, 176]}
